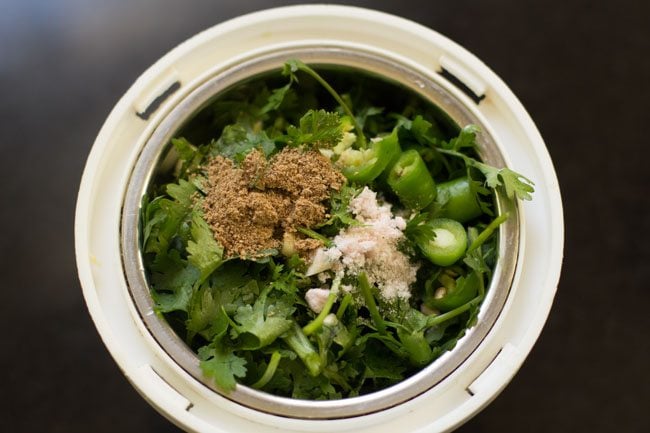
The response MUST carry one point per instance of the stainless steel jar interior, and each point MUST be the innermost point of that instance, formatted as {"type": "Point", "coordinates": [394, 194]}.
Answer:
{"type": "Point", "coordinates": [150, 159]}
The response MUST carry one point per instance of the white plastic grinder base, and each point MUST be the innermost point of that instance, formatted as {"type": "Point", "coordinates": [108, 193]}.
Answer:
{"type": "Point", "coordinates": [189, 403]}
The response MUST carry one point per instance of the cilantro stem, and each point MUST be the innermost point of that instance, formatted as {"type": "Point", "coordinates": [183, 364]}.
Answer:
{"type": "Point", "coordinates": [299, 343]}
{"type": "Point", "coordinates": [309, 71]}
{"type": "Point", "coordinates": [437, 320]}
{"type": "Point", "coordinates": [347, 299]}
{"type": "Point", "coordinates": [315, 235]}
{"type": "Point", "coordinates": [466, 158]}
{"type": "Point", "coordinates": [317, 323]}
{"type": "Point", "coordinates": [487, 231]}
{"type": "Point", "coordinates": [364, 286]}
{"type": "Point", "coordinates": [269, 372]}
{"type": "Point", "coordinates": [481, 286]}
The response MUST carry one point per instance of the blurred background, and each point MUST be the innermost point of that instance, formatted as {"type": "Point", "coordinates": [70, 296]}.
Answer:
{"type": "Point", "coordinates": [581, 68]}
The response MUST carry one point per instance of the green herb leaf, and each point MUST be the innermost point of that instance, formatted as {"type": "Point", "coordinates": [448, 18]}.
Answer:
{"type": "Point", "coordinates": [466, 139]}
{"type": "Point", "coordinates": [237, 141]}
{"type": "Point", "coordinates": [474, 258]}
{"type": "Point", "coordinates": [206, 315]}
{"type": "Point", "coordinates": [340, 208]}
{"type": "Point", "coordinates": [417, 231]}
{"type": "Point", "coordinates": [290, 68]}
{"type": "Point", "coordinates": [182, 192]}
{"type": "Point", "coordinates": [365, 113]}
{"type": "Point", "coordinates": [514, 184]}
{"type": "Point", "coordinates": [190, 156]}
{"type": "Point", "coordinates": [205, 253]}
{"type": "Point", "coordinates": [165, 216]}
{"type": "Point", "coordinates": [318, 128]}
{"type": "Point", "coordinates": [172, 279]}
{"type": "Point", "coordinates": [222, 365]}
{"type": "Point", "coordinates": [259, 324]}
{"type": "Point", "coordinates": [276, 98]}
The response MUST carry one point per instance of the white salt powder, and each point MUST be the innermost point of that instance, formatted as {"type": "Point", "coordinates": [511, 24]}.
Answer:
{"type": "Point", "coordinates": [371, 248]}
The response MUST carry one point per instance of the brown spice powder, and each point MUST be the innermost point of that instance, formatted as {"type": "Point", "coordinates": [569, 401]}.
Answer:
{"type": "Point", "coordinates": [251, 207]}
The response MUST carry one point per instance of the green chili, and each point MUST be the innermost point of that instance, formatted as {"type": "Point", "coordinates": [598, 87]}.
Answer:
{"type": "Point", "coordinates": [365, 165]}
{"type": "Point", "coordinates": [410, 179]}
{"type": "Point", "coordinates": [457, 200]}
{"type": "Point", "coordinates": [449, 243]}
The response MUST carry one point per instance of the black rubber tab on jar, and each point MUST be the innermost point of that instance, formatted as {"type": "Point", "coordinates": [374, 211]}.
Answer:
{"type": "Point", "coordinates": [156, 103]}
{"type": "Point", "coordinates": [462, 86]}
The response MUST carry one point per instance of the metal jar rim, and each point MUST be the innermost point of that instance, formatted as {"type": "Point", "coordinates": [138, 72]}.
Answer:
{"type": "Point", "coordinates": [360, 59]}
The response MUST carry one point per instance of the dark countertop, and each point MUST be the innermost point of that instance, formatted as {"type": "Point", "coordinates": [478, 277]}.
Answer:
{"type": "Point", "coordinates": [581, 70]}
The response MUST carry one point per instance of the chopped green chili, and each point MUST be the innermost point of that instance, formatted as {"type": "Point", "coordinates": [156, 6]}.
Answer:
{"type": "Point", "coordinates": [411, 181]}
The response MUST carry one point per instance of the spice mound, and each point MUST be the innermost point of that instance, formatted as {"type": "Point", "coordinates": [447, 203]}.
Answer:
{"type": "Point", "coordinates": [253, 207]}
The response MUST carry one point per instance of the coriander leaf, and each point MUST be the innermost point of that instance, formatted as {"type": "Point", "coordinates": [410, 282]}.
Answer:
{"type": "Point", "coordinates": [200, 183]}
{"type": "Point", "coordinates": [206, 315]}
{"type": "Point", "coordinates": [236, 141]}
{"type": "Point", "coordinates": [346, 375]}
{"type": "Point", "coordinates": [381, 364]}
{"type": "Point", "coordinates": [283, 279]}
{"type": "Point", "coordinates": [417, 231]}
{"type": "Point", "coordinates": [181, 192]}
{"type": "Point", "coordinates": [307, 386]}
{"type": "Point", "coordinates": [318, 128]}
{"type": "Point", "coordinates": [366, 112]}
{"type": "Point", "coordinates": [205, 253]}
{"type": "Point", "coordinates": [481, 193]}
{"type": "Point", "coordinates": [465, 139]}
{"type": "Point", "coordinates": [276, 98]}
{"type": "Point", "coordinates": [230, 288]}
{"type": "Point", "coordinates": [151, 217]}
{"type": "Point", "coordinates": [233, 273]}
{"type": "Point", "coordinates": [411, 327]}
{"type": "Point", "coordinates": [417, 347]}
{"type": "Point", "coordinates": [340, 208]}
{"type": "Point", "coordinates": [343, 336]}
{"type": "Point", "coordinates": [474, 258]}
{"type": "Point", "coordinates": [263, 256]}
{"type": "Point", "coordinates": [190, 156]}
{"type": "Point", "coordinates": [186, 151]}
{"type": "Point", "coordinates": [238, 296]}
{"type": "Point", "coordinates": [172, 279]}
{"type": "Point", "coordinates": [294, 65]}
{"type": "Point", "coordinates": [260, 325]}
{"type": "Point", "coordinates": [222, 365]}
{"type": "Point", "coordinates": [164, 216]}
{"type": "Point", "coordinates": [419, 130]}
{"type": "Point", "coordinates": [514, 184]}
{"type": "Point", "coordinates": [413, 320]}
{"type": "Point", "coordinates": [290, 68]}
